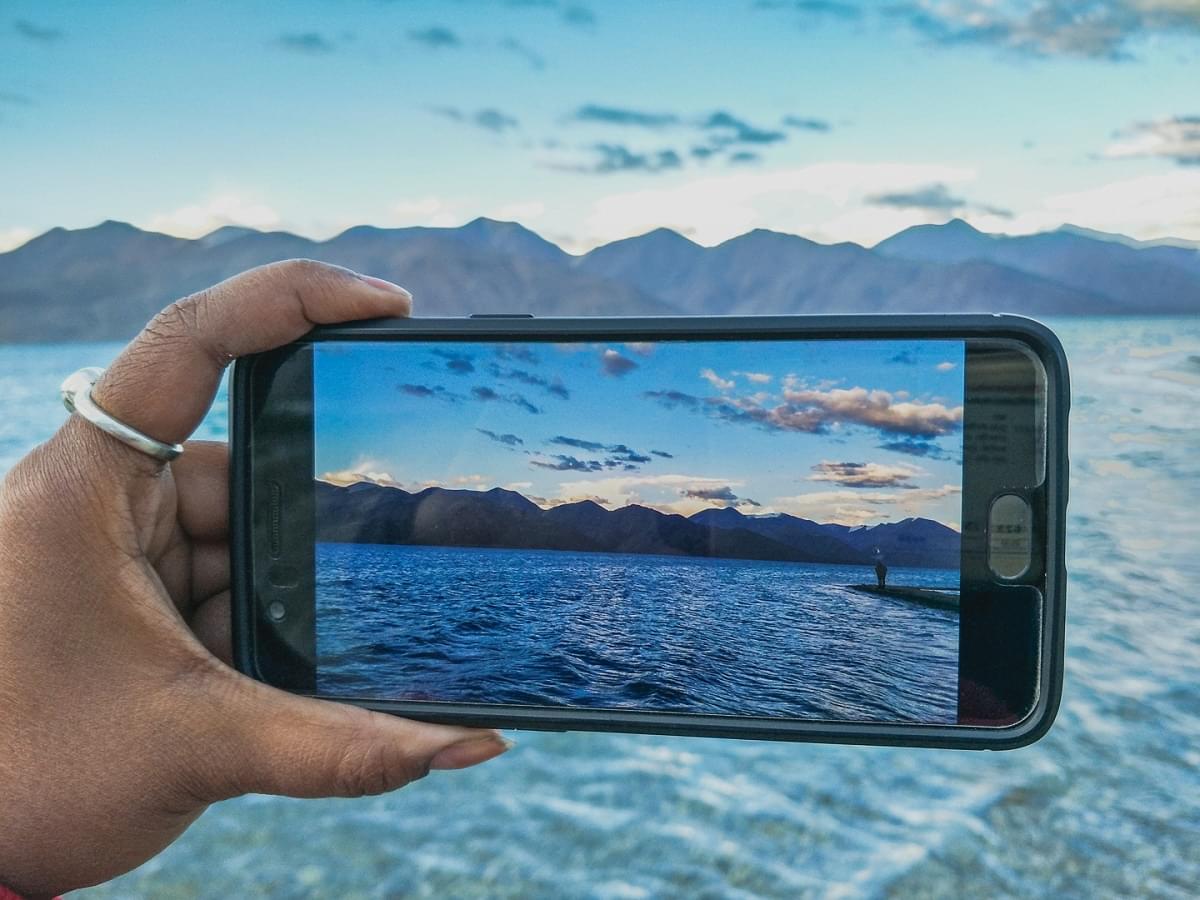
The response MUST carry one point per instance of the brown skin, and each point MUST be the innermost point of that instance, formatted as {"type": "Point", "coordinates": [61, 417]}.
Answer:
{"type": "Point", "coordinates": [121, 719]}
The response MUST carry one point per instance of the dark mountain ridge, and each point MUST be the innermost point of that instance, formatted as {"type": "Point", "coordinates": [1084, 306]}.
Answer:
{"type": "Point", "coordinates": [369, 513]}
{"type": "Point", "coordinates": [104, 282]}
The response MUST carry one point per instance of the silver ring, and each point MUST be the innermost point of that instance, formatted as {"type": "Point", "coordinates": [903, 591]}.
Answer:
{"type": "Point", "coordinates": [77, 397]}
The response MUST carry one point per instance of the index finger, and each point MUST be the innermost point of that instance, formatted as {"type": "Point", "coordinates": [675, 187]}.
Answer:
{"type": "Point", "coordinates": [163, 383]}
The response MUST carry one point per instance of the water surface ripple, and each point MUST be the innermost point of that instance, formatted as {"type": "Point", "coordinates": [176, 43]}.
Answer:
{"type": "Point", "coordinates": [1107, 805]}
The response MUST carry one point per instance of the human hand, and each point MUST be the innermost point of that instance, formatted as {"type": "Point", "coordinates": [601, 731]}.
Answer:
{"type": "Point", "coordinates": [121, 719]}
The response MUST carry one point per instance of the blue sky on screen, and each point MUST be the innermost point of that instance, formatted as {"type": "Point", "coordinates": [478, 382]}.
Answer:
{"type": "Point", "coordinates": [850, 432]}
{"type": "Point", "coordinates": [590, 121]}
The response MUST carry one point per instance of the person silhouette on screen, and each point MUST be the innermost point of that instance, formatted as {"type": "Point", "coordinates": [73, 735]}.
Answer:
{"type": "Point", "coordinates": [880, 570]}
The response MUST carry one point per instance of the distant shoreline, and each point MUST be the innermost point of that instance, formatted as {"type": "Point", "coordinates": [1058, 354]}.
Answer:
{"type": "Point", "coordinates": [662, 556]}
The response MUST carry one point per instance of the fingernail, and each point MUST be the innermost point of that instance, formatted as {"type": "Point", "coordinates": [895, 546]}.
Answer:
{"type": "Point", "coordinates": [470, 752]}
{"type": "Point", "coordinates": [384, 285]}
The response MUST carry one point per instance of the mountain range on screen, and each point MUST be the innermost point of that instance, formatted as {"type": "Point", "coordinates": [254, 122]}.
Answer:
{"type": "Point", "coordinates": [104, 282]}
{"type": "Point", "coordinates": [370, 513]}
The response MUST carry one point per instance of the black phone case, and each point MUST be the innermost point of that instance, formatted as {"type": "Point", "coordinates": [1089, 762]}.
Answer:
{"type": "Point", "coordinates": [494, 327]}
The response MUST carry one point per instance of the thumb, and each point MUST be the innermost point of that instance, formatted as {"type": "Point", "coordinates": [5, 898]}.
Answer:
{"type": "Point", "coordinates": [297, 746]}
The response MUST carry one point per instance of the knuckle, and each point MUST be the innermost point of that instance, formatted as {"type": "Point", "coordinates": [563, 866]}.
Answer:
{"type": "Point", "coordinates": [305, 271]}
{"type": "Point", "coordinates": [369, 765]}
{"type": "Point", "coordinates": [308, 278]}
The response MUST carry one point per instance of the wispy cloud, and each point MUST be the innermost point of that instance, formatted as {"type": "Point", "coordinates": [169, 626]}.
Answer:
{"type": "Point", "coordinates": [437, 37]}
{"type": "Point", "coordinates": [617, 115]}
{"type": "Point", "coordinates": [578, 443]}
{"type": "Point", "coordinates": [488, 395]}
{"type": "Point", "coordinates": [729, 129]}
{"type": "Point", "coordinates": [865, 474]}
{"type": "Point", "coordinates": [44, 34]}
{"type": "Point", "coordinates": [609, 158]}
{"type": "Point", "coordinates": [510, 352]}
{"type": "Point", "coordinates": [912, 446]}
{"type": "Point", "coordinates": [561, 462]}
{"type": "Point", "coordinates": [831, 8]}
{"type": "Point", "coordinates": [616, 456]}
{"type": "Point", "coordinates": [703, 137]}
{"type": "Point", "coordinates": [430, 392]}
{"type": "Point", "coordinates": [578, 15]}
{"type": "Point", "coordinates": [719, 496]}
{"type": "Point", "coordinates": [1176, 139]}
{"type": "Point", "coordinates": [933, 198]}
{"type": "Point", "coordinates": [523, 51]}
{"type": "Point", "coordinates": [489, 118]}
{"type": "Point", "coordinates": [458, 363]}
{"type": "Point", "coordinates": [311, 43]}
{"type": "Point", "coordinates": [553, 386]}
{"type": "Point", "coordinates": [509, 440]}
{"type": "Point", "coordinates": [802, 123]}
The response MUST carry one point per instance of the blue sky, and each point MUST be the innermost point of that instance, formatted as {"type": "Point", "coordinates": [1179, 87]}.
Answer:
{"type": "Point", "coordinates": [589, 121]}
{"type": "Point", "coordinates": [851, 432]}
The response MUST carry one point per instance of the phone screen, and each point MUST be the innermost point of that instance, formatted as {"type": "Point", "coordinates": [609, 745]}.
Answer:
{"type": "Point", "coordinates": [766, 528]}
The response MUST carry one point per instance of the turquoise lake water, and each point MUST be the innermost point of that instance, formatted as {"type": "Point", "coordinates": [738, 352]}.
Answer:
{"type": "Point", "coordinates": [1108, 804]}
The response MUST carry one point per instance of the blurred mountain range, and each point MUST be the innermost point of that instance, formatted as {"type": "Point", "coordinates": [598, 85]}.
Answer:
{"type": "Point", "coordinates": [104, 282]}
{"type": "Point", "coordinates": [369, 513]}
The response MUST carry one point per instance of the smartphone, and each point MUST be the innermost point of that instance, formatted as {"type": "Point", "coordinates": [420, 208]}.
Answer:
{"type": "Point", "coordinates": [844, 529]}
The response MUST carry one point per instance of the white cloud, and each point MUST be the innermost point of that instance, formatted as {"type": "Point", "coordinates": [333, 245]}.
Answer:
{"type": "Point", "coordinates": [716, 380]}
{"type": "Point", "coordinates": [662, 492]}
{"type": "Point", "coordinates": [641, 348]}
{"type": "Point", "coordinates": [436, 212]}
{"type": "Point", "coordinates": [828, 202]}
{"type": "Point", "coordinates": [1145, 207]}
{"type": "Point", "coordinates": [755, 377]}
{"type": "Point", "coordinates": [11, 238]}
{"type": "Point", "coordinates": [946, 366]}
{"type": "Point", "coordinates": [712, 209]}
{"type": "Point", "coordinates": [449, 212]}
{"type": "Point", "coordinates": [353, 476]}
{"type": "Point", "coordinates": [525, 211]}
{"type": "Point", "coordinates": [198, 219]}
{"type": "Point", "coordinates": [365, 468]}
{"type": "Point", "coordinates": [858, 507]}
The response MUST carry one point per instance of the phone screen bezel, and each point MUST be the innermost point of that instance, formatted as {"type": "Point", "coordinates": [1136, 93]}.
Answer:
{"type": "Point", "coordinates": [271, 465]}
